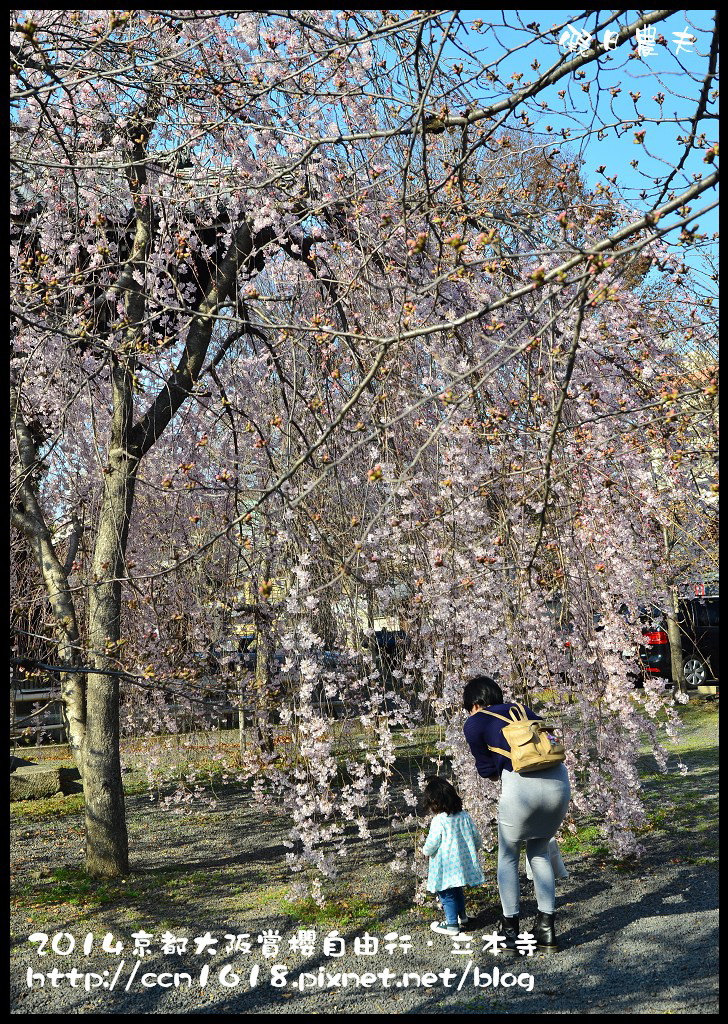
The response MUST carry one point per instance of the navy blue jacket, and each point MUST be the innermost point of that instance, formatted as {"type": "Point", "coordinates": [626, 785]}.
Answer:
{"type": "Point", "coordinates": [482, 731]}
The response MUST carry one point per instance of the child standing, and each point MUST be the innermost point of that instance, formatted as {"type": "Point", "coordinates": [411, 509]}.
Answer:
{"type": "Point", "coordinates": [452, 844]}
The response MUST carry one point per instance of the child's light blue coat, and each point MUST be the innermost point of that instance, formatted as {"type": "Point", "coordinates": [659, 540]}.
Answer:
{"type": "Point", "coordinates": [452, 844]}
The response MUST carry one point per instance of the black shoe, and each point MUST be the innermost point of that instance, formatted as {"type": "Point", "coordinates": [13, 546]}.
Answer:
{"type": "Point", "coordinates": [508, 926]}
{"type": "Point", "coordinates": [545, 933]}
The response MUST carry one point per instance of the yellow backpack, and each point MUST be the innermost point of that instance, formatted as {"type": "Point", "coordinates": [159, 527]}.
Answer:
{"type": "Point", "coordinates": [533, 748]}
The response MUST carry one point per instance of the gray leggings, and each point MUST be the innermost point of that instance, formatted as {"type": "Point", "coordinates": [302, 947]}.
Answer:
{"type": "Point", "coordinates": [531, 809]}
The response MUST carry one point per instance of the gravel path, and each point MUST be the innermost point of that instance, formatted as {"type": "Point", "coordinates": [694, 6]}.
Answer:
{"type": "Point", "coordinates": [642, 940]}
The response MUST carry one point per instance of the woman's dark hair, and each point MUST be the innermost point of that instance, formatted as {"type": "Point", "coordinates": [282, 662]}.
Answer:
{"type": "Point", "coordinates": [440, 796]}
{"type": "Point", "coordinates": [481, 690]}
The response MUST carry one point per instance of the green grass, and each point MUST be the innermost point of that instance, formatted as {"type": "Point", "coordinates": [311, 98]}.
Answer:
{"type": "Point", "coordinates": [688, 803]}
{"type": "Point", "coordinates": [587, 841]}
{"type": "Point", "coordinates": [72, 886]}
{"type": "Point", "coordinates": [354, 910]}
{"type": "Point", "coordinates": [170, 892]}
{"type": "Point", "coordinates": [50, 807]}
{"type": "Point", "coordinates": [157, 892]}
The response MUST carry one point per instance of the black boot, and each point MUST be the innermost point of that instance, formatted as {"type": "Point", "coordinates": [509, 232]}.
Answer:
{"type": "Point", "coordinates": [544, 933]}
{"type": "Point", "coordinates": [508, 926]}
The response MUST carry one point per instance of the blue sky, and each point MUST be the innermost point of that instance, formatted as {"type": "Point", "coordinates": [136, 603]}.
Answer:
{"type": "Point", "coordinates": [676, 76]}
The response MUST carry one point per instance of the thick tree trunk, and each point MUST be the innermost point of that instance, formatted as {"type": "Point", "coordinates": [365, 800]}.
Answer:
{"type": "Point", "coordinates": [107, 847]}
{"type": "Point", "coordinates": [107, 843]}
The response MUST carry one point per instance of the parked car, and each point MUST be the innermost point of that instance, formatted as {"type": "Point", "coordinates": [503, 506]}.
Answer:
{"type": "Point", "coordinates": [698, 619]}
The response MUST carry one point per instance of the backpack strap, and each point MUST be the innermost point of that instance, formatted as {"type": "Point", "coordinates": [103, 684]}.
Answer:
{"type": "Point", "coordinates": [505, 753]}
{"type": "Point", "coordinates": [509, 721]}
{"type": "Point", "coordinates": [495, 715]}
{"type": "Point", "coordinates": [522, 717]}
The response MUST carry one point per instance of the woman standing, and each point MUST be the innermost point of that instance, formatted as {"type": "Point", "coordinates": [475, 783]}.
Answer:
{"type": "Point", "coordinates": [531, 808]}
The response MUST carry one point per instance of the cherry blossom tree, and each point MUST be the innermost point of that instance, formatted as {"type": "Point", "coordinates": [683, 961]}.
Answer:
{"type": "Point", "coordinates": [302, 295]}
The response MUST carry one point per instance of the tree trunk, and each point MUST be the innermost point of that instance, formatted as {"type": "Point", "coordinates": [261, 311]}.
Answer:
{"type": "Point", "coordinates": [370, 605]}
{"type": "Point", "coordinates": [673, 629]}
{"type": "Point", "coordinates": [107, 843]}
{"type": "Point", "coordinates": [241, 709]}
{"type": "Point", "coordinates": [262, 687]}
{"type": "Point", "coordinates": [263, 661]}
{"type": "Point", "coordinates": [675, 638]}
{"type": "Point", "coordinates": [107, 847]}
{"type": "Point", "coordinates": [28, 517]}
